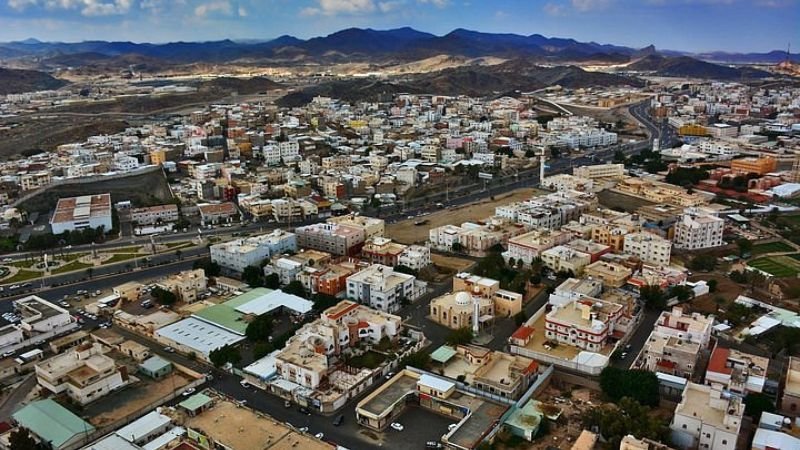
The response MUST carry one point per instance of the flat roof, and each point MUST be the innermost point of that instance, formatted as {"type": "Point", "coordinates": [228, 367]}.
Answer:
{"type": "Point", "coordinates": [264, 368]}
{"type": "Point", "coordinates": [199, 335]}
{"type": "Point", "coordinates": [391, 394]}
{"type": "Point", "coordinates": [112, 442]}
{"type": "Point", "coordinates": [443, 354]}
{"type": "Point", "coordinates": [143, 426]}
{"type": "Point", "coordinates": [82, 208]}
{"type": "Point", "coordinates": [154, 363]}
{"type": "Point", "coordinates": [439, 384]}
{"type": "Point", "coordinates": [470, 432]}
{"type": "Point", "coordinates": [195, 402]}
{"type": "Point", "coordinates": [273, 300]}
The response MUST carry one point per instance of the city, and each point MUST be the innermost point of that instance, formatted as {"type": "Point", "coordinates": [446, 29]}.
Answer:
{"type": "Point", "coordinates": [395, 239]}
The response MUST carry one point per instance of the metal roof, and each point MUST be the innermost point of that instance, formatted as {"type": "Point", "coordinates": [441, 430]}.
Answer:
{"type": "Point", "coordinates": [52, 422]}
{"type": "Point", "coordinates": [199, 335]}
{"type": "Point", "coordinates": [195, 402]}
{"type": "Point", "coordinates": [443, 354]}
{"type": "Point", "coordinates": [144, 426]}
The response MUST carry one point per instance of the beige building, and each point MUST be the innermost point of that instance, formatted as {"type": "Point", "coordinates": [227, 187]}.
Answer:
{"type": "Point", "coordinates": [35, 180]}
{"type": "Point", "coordinates": [129, 291]}
{"type": "Point", "coordinates": [155, 214]}
{"type": "Point", "coordinates": [648, 247]}
{"type": "Point", "coordinates": [565, 259]}
{"type": "Point", "coordinates": [498, 373]}
{"type": "Point", "coordinates": [670, 355]}
{"type": "Point", "coordinates": [186, 285]}
{"type": "Point", "coordinates": [609, 273]}
{"type": "Point", "coordinates": [658, 192]}
{"type": "Point", "coordinates": [83, 373]}
{"type": "Point", "coordinates": [381, 250]}
{"type": "Point", "coordinates": [600, 171]}
{"type": "Point", "coordinates": [529, 246]}
{"type": "Point", "coordinates": [790, 397]}
{"type": "Point", "coordinates": [372, 227]}
{"type": "Point", "coordinates": [706, 419]}
{"type": "Point", "coordinates": [587, 323]}
{"type": "Point", "coordinates": [455, 310]}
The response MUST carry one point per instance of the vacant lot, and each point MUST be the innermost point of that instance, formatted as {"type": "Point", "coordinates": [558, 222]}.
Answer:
{"type": "Point", "coordinates": [771, 247]}
{"type": "Point", "coordinates": [451, 262]}
{"type": "Point", "coordinates": [621, 202]}
{"type": "Point", "coordinates": [779, 266]}
{"type": "Point", "coordinates": [407, 233]}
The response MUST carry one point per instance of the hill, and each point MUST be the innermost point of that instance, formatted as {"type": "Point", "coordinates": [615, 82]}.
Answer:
{"type": "Point", "coordinates": [684, 66]}
{"type": "Point", "coordinates": [14, 81]}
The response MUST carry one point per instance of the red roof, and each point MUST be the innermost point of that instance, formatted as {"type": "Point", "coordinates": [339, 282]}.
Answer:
{"type": "Point", "coordinates": [532, 367]}
{"type": "Point", "coordinates": [666, 364]}
{"type": "Point", "coordinates": [522, 333]}
{"type": "Point", "coordinates": [718, 359]}
{"type": "Point", "coordinates": [363, 324]}
{"type": "Point", "coordinates": [5, 426]}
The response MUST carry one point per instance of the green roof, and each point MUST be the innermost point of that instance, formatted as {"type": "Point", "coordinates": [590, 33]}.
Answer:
{"type": "Point", "coordinates": [195, 402]}
{"type": "Point", "coordinates": [225, 314]}
{"type": "Point", "coordinates": [52, 422]}
{"type": "Point", "coordinates": [154, 364]}
{"type": "Point", "coordinates": [443, 354]}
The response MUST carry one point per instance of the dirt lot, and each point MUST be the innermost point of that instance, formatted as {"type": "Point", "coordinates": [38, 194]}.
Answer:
{"type": "Point", "coordinates": [132, 399]}
{"type": "Point", "coordinates": [451, 262]}
{"type": "Point", "coordinates": [407, 233]}
{"type": "Point", "coordinates": [726, 289]}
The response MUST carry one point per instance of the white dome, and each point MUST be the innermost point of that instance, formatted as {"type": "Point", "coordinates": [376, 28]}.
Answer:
{"type": "Point", "coordinates": [463, 299]}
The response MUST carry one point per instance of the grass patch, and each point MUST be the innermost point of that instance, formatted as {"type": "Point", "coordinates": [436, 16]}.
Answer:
{"type": "Point", "coordinates": [69, 267]}
{"type": "Point", "coordinates": [119, 257]}
{"type": "Point", "coordinates": [23, 275]}
{"type": "Point", "coordinates": [172, 245]}
{"type": "Point", "coordinates": [370, 360]}
{"type": "Point", "coordinates": [127, 249]}
{"type": "Point", "coordinates": [778, 266]}
{"type": "Point", "coordinates": [771, 247]}
{"type": "Point", "coordinates": [23, 264]}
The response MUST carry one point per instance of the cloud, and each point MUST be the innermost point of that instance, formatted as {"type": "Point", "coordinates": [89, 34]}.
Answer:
{"type": "Point", "coordinates": [242, 11]}
{"type": "Point", "coordinates": [589, 5]}
{"type": "Point", "coordinates": [87, 8]}
{"type": "Point", "coordinates": [340, 7]}
{"type": "Point", "coordinates": [391, 5]}
{"type": "Point", "coordinates": [215, 7]}
{"type": "Point", "coordinates": [553, 9]}
{"type": "Point", "coordinates": [437, 3]}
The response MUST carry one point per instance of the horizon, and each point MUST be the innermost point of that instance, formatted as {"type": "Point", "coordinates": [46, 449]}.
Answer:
{"type": "Point", "coordinates": [713, 25]}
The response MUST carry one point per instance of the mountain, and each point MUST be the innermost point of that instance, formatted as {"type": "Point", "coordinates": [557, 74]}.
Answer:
{"type": "Point", "coordinates": [773, 57]}
{"type": "Point", "coordinates": [684, 66]}
{"type": "Point", "coordinates": [13, 81]}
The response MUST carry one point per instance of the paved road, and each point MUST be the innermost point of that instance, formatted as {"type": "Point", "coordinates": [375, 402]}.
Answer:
{"type": "Point", "coordinates": [638, 339]}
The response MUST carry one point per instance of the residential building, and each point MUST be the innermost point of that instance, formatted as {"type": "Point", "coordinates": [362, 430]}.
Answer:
{"type": "Point", "coordinates": [155, 214]}
{"type": "Point", "coordinates": [381, 250]}
{"type": "Point", "coordinates": [186, 285]}
{"type": "Point", "coordinates": [573, 289]}
{"type": "Point", "coordinates": [600, 171]}
{"type": "Point", "coordinates": [705, 419]}
{"type": "Point", "coordinates": [53, 424]}
{"type": "Point", "coordinates": [78, 213]}
{"type": "Point", "coordinates": [609, 273]}
{"type": "Point", "coordinates": [415, 257]}
{"type": "Point", "coordinates": [238, 254]}
{"type": "Point", "coordinates": [216, 213]}
{"type": "Point", "coordinates": [494, 372]}
{"type": "Point", "coordinates": [336, 239]}
{"type": "Point", "coordinates": [593, 249]}
{"type": "Point", "coordinates": [529, 246]}
{"type": "Point", "coordinates": [84, 373]}
{"type": "Point", "coordinates": [34, 180]}
{"type": "Point", "coordinates": [381, 288]}
{"type": "Point", "coordinates": [694, 328]}
{"type": "Point", "coordinates": [697, 229]}
{"type": "Point", "coordinates": [564, 259]}
{"type": "Point", "coordinates": [371, 226]}
{"type": "Point", "coordinates": [588, 323]}
{"type": "Point", "coordinates": [566, 182]}
{"type": "Point", "coordinates": [759, 166]}
{"type": "Point", "coordinates": [670, 355]}
{"type": "Point", "coordinates": [736, 372]}
{"type": "Point", "coordinates": [790, 396]}
{"type": "Point", "coordinates": [648, 247]}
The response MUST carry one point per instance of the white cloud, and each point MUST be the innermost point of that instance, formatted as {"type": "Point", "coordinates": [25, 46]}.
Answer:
{"type": "Point", "coordinates": [242, 11]}
{"type": "Point", "coordinates": [340, 7]}
{"type": "Point", "coordinates": [588, 5]}
{"type": "Point", "coordinates": [553, 9]}
{"type": "Point", "coordinates": [437, 3]}
{"type": "Point", "coordinates": [391, 5]}
{"type": "Point", "coordinates": [86, 7]}
{"type": "Point", "coordinates": [215, 7]}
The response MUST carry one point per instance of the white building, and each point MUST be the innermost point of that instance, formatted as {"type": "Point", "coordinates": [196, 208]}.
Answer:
{"type": "Point", "coordinates": [382, 288]}
{"type": "Point", "coordinates": [124, 163]}
{"type": "Point", "coordinates": [78, 213]}
{"type": "Point", "coordinates": [271, 154]}
{"type": "Point", "coordinates": [84, 373]}
{"type": "Point", "coordinates": [600, 171]}
{"type": "Point", "coordinates": [704, 419]}
{"type": "Point", "coordinates": [290, 151]}
{"type": "Point", "coordinates": [415, 257]}
{"type": "Point", "coordinates": [698, 229]}
{"type": "Point", "coordinates": [649, 247]}
{"type": "Point", "coordinates": [238, 254]}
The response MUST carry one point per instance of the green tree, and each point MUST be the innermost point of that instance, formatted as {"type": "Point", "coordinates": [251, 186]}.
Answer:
{"type": "Point", "coordinates": [703, 263]}
{"type": "Point", "coordinates": [21, 439]}
{"type": "Point", "coordinates": [745, 246]}
{"type": "Point", "coordinates": [619, 157]}
{"type": "Point", "coordinates": [457, 247]}
{"type": "Point", "coordinates": [460, 336]}
{"type": "Point", "coordinates": [272, 281]}
{"type": "Point", "coordinates": [520, 318]}
{"type": "Point", "coordinates": [712, 285]}
{"type": "Point", "coordinates": [295, 288]}
{"type": "Point", "coordinates": [652, 296]}
{"type": "Point", "coordinates": [719, 301]}
{"type": "Point", "coordinates": [420, 360]}
{"type": "Point", "coordinates": [260, 328]}
{"type": "Point", "coordinates": [210, 268]}
{"type": "Point", "coordinates": [626, 417]}
{"type": "Point", "coordinates": [536, 279]}
{"type": "Point", "coordinates": [224, 355]}
{"type": "Point", "coordinates": [323, 301]}
{"type": "Point", "coordinates": [406, 270]}
{"type": "Point", "coordinates": [755, 404]}
{"type": "Point", "coordinates": [262, 349]}
{"type": "Point", "coordinates": [253, 276]}
{"type": "Point", "coordinates": [164, 297]}
{"type": "Point", "coordinates": [640, 385]}
{"type": "Point", "coordinates": [682, 292]}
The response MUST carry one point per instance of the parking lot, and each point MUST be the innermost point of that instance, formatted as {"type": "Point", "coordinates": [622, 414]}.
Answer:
{"type": "Point", "coordinates": [420, 425]}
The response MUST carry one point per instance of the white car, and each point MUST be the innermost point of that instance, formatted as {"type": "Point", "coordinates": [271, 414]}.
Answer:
{"type": "Point", "coordinates": [451, 426]}
{"type": "Point", "coordinates": [319, 436]}
{"type": "Point", "coordinates": [188, 392]}
{"type": "Point", "coordinates": [396, 426]}
{"type": "Point", "coordinates": [303, 429]}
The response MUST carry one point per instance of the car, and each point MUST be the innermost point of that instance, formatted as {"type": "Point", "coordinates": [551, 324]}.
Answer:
{"type": "Point", "coordinates": [433, 444]}
{"type": "Point", "coordinates": [287, 404]}
{"type": "Point", "coordinates": [451, 426]}
{"type": "Point", "coordinates": [7, 354]}
{"type": "Point", "coordinates": [242, 402]}
{"type": "Point", "coordinates": [63, 304]}
{"type": "Point", "coordinates": [244, 384]}
{"type": "Point", "coordinates": [397, 426]}
{"type": "Point", "coordinates": [623, 355]}
{"type": "Point", "coordinates": [319, 436]}
{"type": "Point", "coordinates": [389, 375]}
{"type": "Point", "coordinates": [303, 429]}
{"type": "Point", "coordinates": [188, 392]}
{"type": "Point", "coordinates": [304, 410]}
{"type": "Point", "coordinates": [169, 349]}
{"type": "Point", "coordinates": [338, 420]}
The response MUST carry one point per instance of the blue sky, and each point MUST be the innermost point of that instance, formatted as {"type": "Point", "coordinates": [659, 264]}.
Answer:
{"type": "Point", "coordinates": [693, 25]}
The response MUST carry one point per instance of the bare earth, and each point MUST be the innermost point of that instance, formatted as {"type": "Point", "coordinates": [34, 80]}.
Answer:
{"type": "Point", "coordinates": [407, 233]}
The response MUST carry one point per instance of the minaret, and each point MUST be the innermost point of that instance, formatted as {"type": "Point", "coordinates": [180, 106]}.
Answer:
{"type": "Point", "coordinates": [542, 160]}
{"type": "Point", "coordinates": [476, 311]}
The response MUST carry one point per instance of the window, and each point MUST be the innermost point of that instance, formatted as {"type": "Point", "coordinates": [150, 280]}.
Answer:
{"type": "Point", "coordinates": [724, 442]}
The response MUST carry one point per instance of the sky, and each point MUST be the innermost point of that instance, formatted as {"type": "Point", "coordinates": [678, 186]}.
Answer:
{"type": "Point", "coordinates": [688, 25]}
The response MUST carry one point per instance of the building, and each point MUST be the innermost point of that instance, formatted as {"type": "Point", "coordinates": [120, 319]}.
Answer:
{"type": "Point", "coordinates": [34, 180]}
{"type": "Point", "coordinates": [53, 424]}
{"type": "Point", "coordinates": [186, 285]}
{"type": "Point", "coordinates": [600, 171]}
{"type": "Point", "coordinates": [336, 239]}
{"type": "Point", "coordinates": [238, 254]}
{"type": "Point", "coordinates": [382, 288]}
{"type": "Point", "coordinates": [790, 396]}
{"type": "Point", "coordinates": [670, 355]}
{"type": "Point", "coordinates": [565, 259]}
{"type": "Point", "coordinates": [566, 182]}
{"type": "Point", "coordinates": [694, 328]}
{"type": "Point", "coordinates": [609, 273]}
{"type": "Point", "coordinates": [587, 323]}
{"type": "Point", "coordinates": [84, 373]}
{"type": "Point", "coordinates": [722, 130]}
{"type": "Point", "coordinates": [372, 227]}
{"type": "Point", "coordinates": [155, 367]}
{"type": "Point", "coordinates": [216, 213]}
{"type": "Point", "coordinates": [736, 372]}
{"type": "Point", "coordinates": [381, 250]}
{"type": "Point", "coordinates": [40, 320]}
{"type": "Point", "coordinates": [648, 247]}
{"type": "Point", "coordinates": [155, 214]}
{"type": "Point", "coordinates": [415, 257]}
{"type": "Point", "coordinates": [706, 419]}
{"type": "Point", "coordinates": [697, 229]}
{"type": "Point", "coordinates": [759, 166]}
{"type": "Point", "coordinates": [497, 373]}
{"type": "Point", "coordinates": [529, 246]}
{"type": "Point", "coordinates": [78, 213]}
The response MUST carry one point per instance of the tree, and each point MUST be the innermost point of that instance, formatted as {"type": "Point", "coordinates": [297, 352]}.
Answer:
{"type": "Point", "coordinates": [295, 288]}
{"type": "Point", "coordinates": [712, 285]}
{"type": "Point", "coordinates": [627, 417]}
{"type": "Point", "coordinates": [253, 276]}
{"type": "Point", "coordinates": [323, 301]}
{"type": "Point", "coordinates": [536, 279]}
{"type": "Point", "coordinates": [460, 336]}
{"type": "Point", "coordinates": [90, 272]}
{"type": "Point", "coordinates": [21, 439]}
{"type": "Point", "coordinates": [703, 263]}
{"type": "Point", "coordinates": [210, 268]}
{"type": "Point", "coordinates": [164, 297]}
{"type": "Point", "coordinates": [406, 270]}
{"type": "Point", "coordinates": [640, 385]}
{"type": "Point", "coordinates": [420, 360]}
{"type": "Point", "coordinates": [224, 355]}
{"type": "Point", "coordinates": [457, 247]}
{"type": "Point", "coordinates": [682, 292]}
{"type": "Point", "coordinates": [520, 318]}
{"type": "Point", "coordinates": [259, 329]}
{"type": "Point", "coordinates": [262, 349]}
{"type": "Point", "coordinates": [745, 246]}
{"type": "Point", "coordinates": [719, 301]}
{"type": "Point", "coordinates": [272, 281]}
{"type": "Point", "coordinates": [619, 157]}
{"type": "Point", "coordinates": [755, 404]}
{"type": "Point", "coordinates": [653, 296]}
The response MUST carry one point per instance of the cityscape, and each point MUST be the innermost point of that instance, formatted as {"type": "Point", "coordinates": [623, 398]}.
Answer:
{"type": "Point", "coordinates": [315, 226]}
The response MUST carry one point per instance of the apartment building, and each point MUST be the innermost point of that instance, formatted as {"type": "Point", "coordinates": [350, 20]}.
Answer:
{"type": "Point", "coordinates": [456, 310]}
{"type": "Point", "coordinates": [238, 254]}
{"type": "Point", "coordinates": [84, 373]}
{"type": "Point", "coordinates": [498, 373]}
{"type": "Point", "coordinates": [155, 214]}
{"type": "Point", "coordinates": [648, 247]}
{"type": "Point", "coordinates": [34, 180]}
{"type": "Point", "coordinates": [565, 259]}
{"type": "Point", "coordinates": [706, 419]}
{"type": "Point", "coordinates": [587, 323]}
{"type": "Point", "coordinates": [529, 246]}
{"type": "Point", "coordinates": [669, 355]}
{"type": "Point", "coordinates": [593, 249]}
{"type": "Point", "coordinates": [694, 327]}
{"type": "Point", "coordinates": [697, 229]}
{"type": "Point", "coordinates": [415, 257]}
{"type": "Point", "coordinates": [381, 288]}
{"type": "Point", "coordinates": [336, 239]}
{"type": "Point", "coordinates": [78, 213]}
{"type": "Point", "coordinates": [216, 213]}
{"type": "Point", "coordinates": [371, 226]}
{"type": "Point", "coordinates": [660, 193]}
{"type": "Point", "coordinates": [790, 396]}
{"type": "Point", "coordinates": [381, 250]}
{"type": "Point", "coordinates": [736, 372]}
{"type": "Point", "coordinates": [610, 274]}
{"type": "Point", "coordinates": [186, 285]}
{"type": "Point", "coordinates": [566, 182]}
{"type": "Point", "coordinates": [600, 171]}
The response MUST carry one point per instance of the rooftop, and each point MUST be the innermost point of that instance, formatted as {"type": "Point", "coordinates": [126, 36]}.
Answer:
{"type": "Point", "coordinates": [82, 208]}
{"type": "Point", "coordinates": [51, 422]}
{"type": "Point", "coordinates": [199, 335]}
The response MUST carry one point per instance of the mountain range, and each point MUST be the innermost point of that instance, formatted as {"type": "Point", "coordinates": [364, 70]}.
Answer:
{"type": "Point", "coordinates": [359, 44]}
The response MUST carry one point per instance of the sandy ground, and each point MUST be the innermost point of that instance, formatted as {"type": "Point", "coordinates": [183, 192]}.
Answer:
{"type": "Point", "coordinates": [407, 233]}
{"type": "Point", "coordinates": [132, 399]}
{"type": "Point", "coordinates": [451, 262]}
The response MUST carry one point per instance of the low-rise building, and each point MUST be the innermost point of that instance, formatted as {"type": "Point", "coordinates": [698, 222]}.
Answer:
{"type": "Point", "coordinates": [84, 373]}
{"type": "Point", "coordinates": [790, 396]}
{"type": "Point", "coordinates": [186, 285]}
{"type": "Point", "coordinates": [381, 250]}
{"type": "Point", "coordinates": [698, 229]}
{"type": "Point", "coordinates": [79, 213]}
{"type": "Point", "coordinates": [736, 372]}
{"type": "Point", "coordinates": [609, 273]}
{"type": "Point", "coordinates": [648, 247]}
{"type": "Point", "coordinates": [565, 259]}
{"type": "Point", "coordinates": [216, 213]}
{"type": "Point", "coordinates": [706, 419]}
{"type": "Point", "coordinates": [153, 215]}
{"type": "Point", "coordinates": [415, 257]}
{"type": "Point", "coordinates": [670, 355]}
{"type": "Point", "coordinates": [238, 254]}
{"type": "Point", "coordinates": [495, 372]}
{"type": "Point", "coordinates": [693, 327]}
{"type": "Point", "coordinates": [382, 288]}
{"type": "Point", "coordinates": [53, 424]}
{"type": "Point", "coordinates": [529, 246]}
{"type": "Point", "coordinates": [371, 226]}
{"type": "Point", "coordinates": [588, 323]}
{"type": "Point", "coordinates": [336, 239]}
{"type": "Point", "coordinates": [600, 171]}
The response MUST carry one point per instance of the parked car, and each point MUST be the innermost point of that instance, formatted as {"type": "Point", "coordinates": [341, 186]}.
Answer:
{"type": "Point", "coordinates": [169, 349]}
{"type": "Point", "coordinates": [451, 426]}
{"type": "Point", "coordinates": [319, 436]}
{"type": "Point", "coordinates": [338, 420]}
{"type": "Point", "coordinates": [287, 404]}
{"type": "Point", "coordinates": [244, 384]}
{"type": "Point", "coordinates": [188, 392]}
{"type": "Point", "coordinates": [303, 429]}
{"type": "Point", "coordinates": [304, 410]}
{"type": "Point", "coordinates": [433, 444]}
{"type": "Point", "coordinates": [396, 426]}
